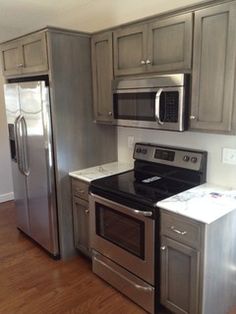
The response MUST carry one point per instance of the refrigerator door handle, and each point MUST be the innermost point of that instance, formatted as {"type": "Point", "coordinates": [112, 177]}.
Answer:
{"type": "Point", "coordinates": [18, 146]}
{"type": "Point", "coordinates": [25, 153]}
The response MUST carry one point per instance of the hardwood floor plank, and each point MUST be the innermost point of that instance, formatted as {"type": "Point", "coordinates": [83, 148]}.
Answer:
{"type": "Point", "coordinates": [33, 283]}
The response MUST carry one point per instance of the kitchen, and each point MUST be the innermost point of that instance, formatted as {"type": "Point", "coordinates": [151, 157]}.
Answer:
{"type": "Point", "coordinates": [218, 172]}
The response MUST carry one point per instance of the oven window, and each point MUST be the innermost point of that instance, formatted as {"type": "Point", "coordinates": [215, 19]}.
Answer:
{"type": "Point", "coordinates": [134, 106]}
{"type": "Point", "coordinates": [120, 229]}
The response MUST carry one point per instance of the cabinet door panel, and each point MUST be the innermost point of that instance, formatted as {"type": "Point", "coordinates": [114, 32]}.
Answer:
{"type": "Point", "coordinates": [34, 52]}
{"type": "Point", "coordinates": [11, 58]}
{"type": "Point", "coordinates": [102, 63]}
{"type": "Point", "coordinates": [81, 225]}
{"type": "Point", "coordinates": [179, 277]}
{"type": "Point", "coordinates": [130, 50]}
{"type": "Point", "coordinates": [170, 44]}
{"type": "Point", "coordinates": [213, 68]}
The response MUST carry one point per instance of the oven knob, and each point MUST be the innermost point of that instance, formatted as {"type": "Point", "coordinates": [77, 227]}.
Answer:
{"type": "Point", "coordinates": [186, 158]}
{"type": "Point", "coordinates": [194, 159]}
{"type": "Point", "coordinates": [144, 151]}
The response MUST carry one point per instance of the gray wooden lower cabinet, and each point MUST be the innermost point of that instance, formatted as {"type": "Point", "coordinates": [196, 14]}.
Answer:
{"type": "Point", "coordinates": [179, 276]}
{"type": "Point", "coordinates": [81, 216]}
{"type": "Point", "coordinates": [198, 264]}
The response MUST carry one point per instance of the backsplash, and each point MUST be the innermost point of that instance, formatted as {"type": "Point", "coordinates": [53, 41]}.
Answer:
{"type": "Point", "coordinates": [217, 172]}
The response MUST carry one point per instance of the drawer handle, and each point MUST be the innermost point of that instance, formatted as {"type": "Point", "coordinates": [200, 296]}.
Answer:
{"type": "Point", "coordinates": [178, 231]}
{"type": "Point", "coordinates": [80, 191]}
{"type": "Point", "coordinates": [20, 65]}
{"type": "Point", "coordinates": [139, 287]}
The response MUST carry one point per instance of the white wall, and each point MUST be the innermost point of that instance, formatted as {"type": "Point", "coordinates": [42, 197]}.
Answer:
{"type": "Point", "coordinates": [5, 167]}
{"type": "Point", "coordinates": [217, 172]}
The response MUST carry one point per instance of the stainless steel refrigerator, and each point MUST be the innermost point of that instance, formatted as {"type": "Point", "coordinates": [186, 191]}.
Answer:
{"type": "Point", "coordinates": [30, 135]}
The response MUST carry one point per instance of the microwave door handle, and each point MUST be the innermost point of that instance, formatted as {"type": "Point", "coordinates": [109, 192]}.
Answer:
{"type": "Point", "coordinates": [157, 106]}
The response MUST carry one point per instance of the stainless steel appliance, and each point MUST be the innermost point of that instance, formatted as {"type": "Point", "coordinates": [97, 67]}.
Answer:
{"type": "Point", "coordinates": [30, 133]}
{"type": "Point", "coordinates": [125, 218]}
{"type": "Point", "coordinates": [158, 102]}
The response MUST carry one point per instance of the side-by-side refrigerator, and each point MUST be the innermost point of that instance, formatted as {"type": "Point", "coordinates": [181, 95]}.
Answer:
{"type": "Point", "coordinates": [30, 134]}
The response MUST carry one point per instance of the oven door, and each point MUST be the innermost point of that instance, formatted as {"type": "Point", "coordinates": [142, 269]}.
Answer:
{"type": "Point", "coordinates": [124, 235]}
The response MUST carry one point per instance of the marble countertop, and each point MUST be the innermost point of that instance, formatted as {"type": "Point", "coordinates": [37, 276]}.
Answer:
{"type": "Point", "coordinates": [205, 203]}
{"type": "Point", "coordinates": [101, 171]}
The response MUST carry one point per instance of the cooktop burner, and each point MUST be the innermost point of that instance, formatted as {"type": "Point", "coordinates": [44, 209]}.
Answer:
{"type": "Point", "coordinates": [159, 172]}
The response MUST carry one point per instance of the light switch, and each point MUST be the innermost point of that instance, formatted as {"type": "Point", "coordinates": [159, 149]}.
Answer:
{"type": "Point", "coordinates": [229, 156]}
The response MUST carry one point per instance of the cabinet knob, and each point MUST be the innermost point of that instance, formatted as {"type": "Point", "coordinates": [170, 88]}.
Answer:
{"type": "Point", "coordinates": [143, 62]}
{"type": "Point", "coordinates": [193, 117]}
{"type": "Point", "coordinates": [86, 211]}
{"type": "Point", "coordinates": [148, 61]}
{"type": "Point", "coordinates": [110, 113]}
{"type": "Point", "coordinates": [20, 65]}
{"type": "Point", "coordinates": [163, 247]}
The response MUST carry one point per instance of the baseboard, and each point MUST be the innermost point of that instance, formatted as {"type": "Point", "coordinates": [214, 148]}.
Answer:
{"type": "Point", "coordinates": [6, 197]}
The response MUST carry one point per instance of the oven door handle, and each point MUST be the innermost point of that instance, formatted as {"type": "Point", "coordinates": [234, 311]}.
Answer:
{"type": "Point", "coordinates": [133, 211]}
{"type": "Point", "coordinates": [157, 106]}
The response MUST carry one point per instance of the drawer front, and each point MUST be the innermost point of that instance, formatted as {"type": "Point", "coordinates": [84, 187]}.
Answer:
{"type": "Point", "coordinates": [181, 229]}
{"type": "Point", "coordinates": [80, 189]}
{"type": "Point", "coordinates": [131, 286]}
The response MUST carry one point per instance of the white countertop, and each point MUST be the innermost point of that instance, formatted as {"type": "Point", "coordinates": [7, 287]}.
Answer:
{"type": "Point", "coordinates": [101, 171]}
{"type": "Point", "coordinates": [205, 203]}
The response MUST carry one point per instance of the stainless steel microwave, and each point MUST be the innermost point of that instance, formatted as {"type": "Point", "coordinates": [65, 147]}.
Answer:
{"type": "Point", "coordinates": [157, 102]}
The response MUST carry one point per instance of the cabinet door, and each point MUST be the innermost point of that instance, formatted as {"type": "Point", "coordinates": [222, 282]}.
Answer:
{"type": "Point", "coordinates": [11, 58]}
{"type": "Point", "coordinates": [214, 68]}
{"type": "Point", "coordinates": [81, 225]}
{"type": "Point", "coordinates": [130, 50]}
{"type": "Point", "coordinates": [179, 277]}
{"type": "Point", "coordinates": [170, 44]}
{"type": "Point", "coordinates": [102, 65]}
{"type": "Point", "coordinates": [34, 53]}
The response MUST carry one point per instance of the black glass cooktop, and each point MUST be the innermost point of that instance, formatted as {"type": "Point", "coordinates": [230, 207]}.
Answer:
{"type": "Point", "coordinates": [137, 189]}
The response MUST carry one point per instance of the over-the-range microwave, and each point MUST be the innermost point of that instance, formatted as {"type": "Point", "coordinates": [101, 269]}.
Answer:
{"type": "Point", "coordinates": [157, 102]}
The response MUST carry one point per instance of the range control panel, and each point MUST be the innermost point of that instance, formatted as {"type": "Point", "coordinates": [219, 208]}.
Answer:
{"type": "Point", "coordinates": [168, 155]}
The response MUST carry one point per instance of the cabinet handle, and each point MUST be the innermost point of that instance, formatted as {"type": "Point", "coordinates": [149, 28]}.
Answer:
{"type": "Point", "coordinates": [110, 113]}
{"type": "Point", "coordinates": [148, 61]}
{"type": "Point", "coordinates": [193, 117]}
{"type": "Point", "coordinates": [86, 211]}
{"type": "Point", "coordinates": [80, 191]}
{"type": "Point", "coordinates": [20, 65]}
{"type": "Point", "coordinates": [178, 231]}
{"type": "Point", "coordinates": [163, 247]}
{"type": "Point", "coordinates": [143, 62]}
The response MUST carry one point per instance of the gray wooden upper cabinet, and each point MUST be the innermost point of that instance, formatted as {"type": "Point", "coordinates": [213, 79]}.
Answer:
{"type": "Point", "coordinates": [214, 68]}
{"type": "Point", "coordinates": [102, 68]}
{"type": "Point", "coordinates": [162, 45]}
{"type": "Point", "coordinates": [170, 44]}
{"type": "Point", "coordinates": [130, 45]}
{"type": "Point", "coordinates": [25, 55]}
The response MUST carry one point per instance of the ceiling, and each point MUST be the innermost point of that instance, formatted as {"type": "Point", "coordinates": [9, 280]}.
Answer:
{"type": "Point", "coordinates": [22, 16]}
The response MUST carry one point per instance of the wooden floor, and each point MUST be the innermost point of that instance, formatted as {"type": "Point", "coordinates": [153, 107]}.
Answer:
{"type": "Point", "coordinates": [31, 282]}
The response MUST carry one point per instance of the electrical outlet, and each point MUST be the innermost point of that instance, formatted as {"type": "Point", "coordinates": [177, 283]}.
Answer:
{"type": "Point", "coordinates": [229, 156]}
{"type": "Point", "coordinates": [131, 142]}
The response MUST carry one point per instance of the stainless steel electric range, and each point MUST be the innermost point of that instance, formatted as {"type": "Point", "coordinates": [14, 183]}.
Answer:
{"type": "Point", "coordinates": [125, 219]}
